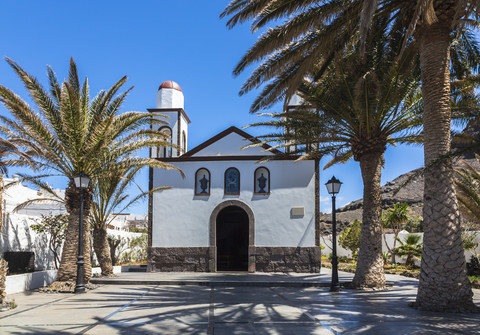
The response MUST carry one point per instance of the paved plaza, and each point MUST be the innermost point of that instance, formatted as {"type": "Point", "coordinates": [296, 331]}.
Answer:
{"type": "Point", "coordinates": [215, 306]}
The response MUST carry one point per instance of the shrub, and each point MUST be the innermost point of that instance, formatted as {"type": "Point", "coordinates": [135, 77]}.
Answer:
{"type": "Point", "coordinates": [55, 227]}
{"type": "Point", "coordinates": [350, 237]}
{"type": "Point", "coordinates": [473, 266]}
{"type": "Point", "coordinates": [414, 226]}
{"type": "Point", "coordinates": [410, 248]}
{"type": "Point", "coordinates": [468, 238]}
{"type": "Point", "coordinates": [386, 257]}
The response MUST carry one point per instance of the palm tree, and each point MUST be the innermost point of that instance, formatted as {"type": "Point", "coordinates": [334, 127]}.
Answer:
{"type": "Point", "coordinates": [395, 218]}
{"type": "Point", "coordinates": [314, 32]}
{"type": "Point", "coordinates": [110, 197]}
{"type": "Point", "coordinates": [354, 110]}
{"type": "Point", "coordinates": [69, 133]}
{"type": "Point", "coordinates": [410, 248]}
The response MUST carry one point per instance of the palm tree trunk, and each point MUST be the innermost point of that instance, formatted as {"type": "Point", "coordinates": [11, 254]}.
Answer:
{"type": "Point", "coordinates": [67, 270]}
{"type": "Point", "coordinates": [370, 272]}
{"type": "Point", "coordinates": [102, 249]}
{"type": "Point", "coordinates": [443, 284]}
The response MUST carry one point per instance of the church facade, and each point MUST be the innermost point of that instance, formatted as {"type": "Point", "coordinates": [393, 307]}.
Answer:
{"type": "Point", "coordinates": [229, 212]}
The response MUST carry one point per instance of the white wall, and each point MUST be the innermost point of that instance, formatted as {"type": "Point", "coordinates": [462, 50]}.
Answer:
{"type": "Point", "coordinates": [326, 241]}
{"type": "Point", "coordinates": [231, 145]}
{"type": "Point", "coordinates": [169, 98]}
{"type": "Point", "coordinates": [29, 281]}
{"type": "Point", "coordinates": [18, 236]}
{"type": "Point", "coordinates": [181, 219]}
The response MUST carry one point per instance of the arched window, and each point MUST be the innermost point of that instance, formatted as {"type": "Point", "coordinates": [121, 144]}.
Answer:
{"type": "Point", "coordinates": [262, 180]}
{"type": "Point", "coordinates": [165, 151]}
{"type": "Point", "coordinates": [202, 182]}
{"type": "Point", "coordinates": [184, 142]}
{"type": "Point", "coordinates": [232, 181]}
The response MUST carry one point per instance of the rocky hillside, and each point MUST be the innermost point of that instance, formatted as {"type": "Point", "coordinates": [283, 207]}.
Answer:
{"type": "Point", "coordinates": [411, 193]}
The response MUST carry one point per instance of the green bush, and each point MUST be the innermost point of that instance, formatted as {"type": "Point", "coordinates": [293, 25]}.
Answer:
{"type": "Point", "coordinates": [350, 237]}
{"type": "Point", "coordinates": [468, 238]}
{"type": "Point", "coordinates": [414, 226]}
{"type": "Point", "coordinates": [386, 257]}
{"type": "Point", "coordinates": [55, 227]}
{"type": "Point", "coordinates": [473, 266]}
{"type": "Point", "coordinates": [411, 248]}
{"type": "Point", "coordinates": [131, 249]}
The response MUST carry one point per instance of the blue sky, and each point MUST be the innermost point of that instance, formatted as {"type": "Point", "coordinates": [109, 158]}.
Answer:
{"type": "Point", "coordinates": [151, 42]}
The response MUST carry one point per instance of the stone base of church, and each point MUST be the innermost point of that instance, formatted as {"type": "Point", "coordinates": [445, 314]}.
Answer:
{"type": "Point", "coordinates": [192, 259]}
{"type": "Point", "coordinates": [288, 259]}
{"type": "Point", "coordinates": [261, 259]}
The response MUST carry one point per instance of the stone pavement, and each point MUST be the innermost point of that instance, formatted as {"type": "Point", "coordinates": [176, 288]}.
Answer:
{"type": "Point", "coordinates": [198, 308]}
{"type": "Point", "coordinates": [225, 279]}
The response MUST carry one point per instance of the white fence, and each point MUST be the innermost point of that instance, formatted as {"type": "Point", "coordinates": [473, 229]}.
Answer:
{"type": "Point", "coordinates": [326, 241]}
{"type": "Point", "coordinates": [18, 236]}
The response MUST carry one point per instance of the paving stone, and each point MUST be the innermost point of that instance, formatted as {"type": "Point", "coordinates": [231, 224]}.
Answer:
{"type": "Point", "coordinates": [163, 309]}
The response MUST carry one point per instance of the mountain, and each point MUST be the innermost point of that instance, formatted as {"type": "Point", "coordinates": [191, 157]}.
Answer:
{"type": "Point", "coordinates": [411, 192]}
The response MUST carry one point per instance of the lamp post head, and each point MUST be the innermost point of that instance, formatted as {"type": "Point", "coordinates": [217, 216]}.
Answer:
{"type": "Point", "coordinates": [333, 185]}
{"type": "Point", "coordinates": [81, 180]}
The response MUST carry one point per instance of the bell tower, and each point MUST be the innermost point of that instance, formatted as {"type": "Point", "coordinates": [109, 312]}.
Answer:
{"type": "Point", "coordinates": [170, 103]}
{"type": "Point", "coordinates": [294, 103]}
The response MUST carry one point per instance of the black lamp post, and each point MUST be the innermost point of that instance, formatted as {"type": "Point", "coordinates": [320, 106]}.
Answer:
{"type": "Point", "coordinates": [333, 187]}
{"type": "Point", "coordinates": [81, 182]}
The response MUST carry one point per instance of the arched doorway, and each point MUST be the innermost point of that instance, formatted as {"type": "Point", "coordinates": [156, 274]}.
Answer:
{"type": "Point", "coordinates": [232, 239]}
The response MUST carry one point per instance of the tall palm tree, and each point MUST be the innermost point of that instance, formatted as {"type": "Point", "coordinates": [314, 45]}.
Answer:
{"type": "Point", "coordinates": [69, 133]}
{"type": "Point", "coordinates": [354, 110]}
{"type": "Point", "coordinates": [110, 198]}
{"type": "Point", "coordinates": [314, 31]}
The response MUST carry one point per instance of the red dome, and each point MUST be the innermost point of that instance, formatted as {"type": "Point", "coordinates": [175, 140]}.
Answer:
{"type": "Point", "coordinates": [170, 84]}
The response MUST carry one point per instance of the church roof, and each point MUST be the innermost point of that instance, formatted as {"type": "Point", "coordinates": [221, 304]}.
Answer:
{"type": "Point", "coordinates": [170, 84]}
{"type": "Point", "coordinates": [225, 133]}
{"type": "Point", "coordinates": [203, 148]}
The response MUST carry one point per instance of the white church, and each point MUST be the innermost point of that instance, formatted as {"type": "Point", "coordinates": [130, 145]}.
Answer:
{"type": "Point", "coordinates": [229, 213]}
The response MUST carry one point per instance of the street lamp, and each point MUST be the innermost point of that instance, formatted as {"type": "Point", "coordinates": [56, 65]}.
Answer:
{"type": "Point", "coordinates": [81, 182]}
{"type": "Point", "coordinates": [333, 187]}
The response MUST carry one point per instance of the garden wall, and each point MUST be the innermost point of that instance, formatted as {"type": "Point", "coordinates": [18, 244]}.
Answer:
{"type": "Point", "coordinates": [326, 241]}
{"type": "Point", "coordinates": [18, 236]}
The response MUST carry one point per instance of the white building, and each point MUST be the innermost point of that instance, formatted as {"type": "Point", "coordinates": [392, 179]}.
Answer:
{"type": "Point", "coordinates": [229, 213]}
{"type": "Point", "coordinates": [17, 234]}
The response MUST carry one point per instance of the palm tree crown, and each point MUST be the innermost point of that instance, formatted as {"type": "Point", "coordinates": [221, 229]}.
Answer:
{"type": "Point", "coordinates": [70, 133]}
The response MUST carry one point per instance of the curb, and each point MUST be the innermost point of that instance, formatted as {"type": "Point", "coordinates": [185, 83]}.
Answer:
{"type": "Point", "coordinates": [108, 281]}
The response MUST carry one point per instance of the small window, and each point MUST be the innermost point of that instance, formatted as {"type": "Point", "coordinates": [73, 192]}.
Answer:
{"type": "Point", "coordinates": [262, 180]}
{"type": "Point", "coordinates": [202, 182]}
{"type": "Point", "coordinates": [165, 151]}
{"type": "Point", "coordinates": [184, 142]}
{"type": "Point", "coordinates": [232, 181]}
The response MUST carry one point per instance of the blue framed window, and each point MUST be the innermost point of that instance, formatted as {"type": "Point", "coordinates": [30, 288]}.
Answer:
{"type": "Point", "coordinates": [232, 181]}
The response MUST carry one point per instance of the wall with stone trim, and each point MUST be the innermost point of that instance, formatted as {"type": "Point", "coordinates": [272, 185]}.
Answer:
{"type": "Point", "coordinates": [264, 259]}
